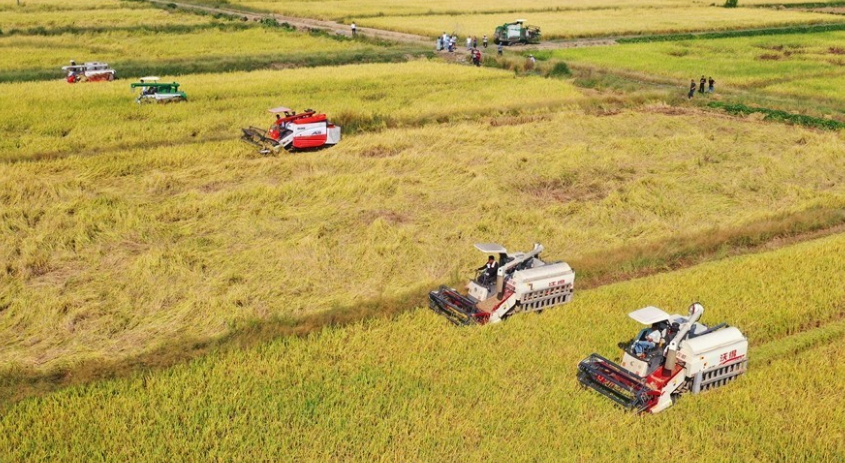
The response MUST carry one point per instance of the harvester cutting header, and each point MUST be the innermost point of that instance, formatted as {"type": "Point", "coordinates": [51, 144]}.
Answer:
{"type": "Point", "coordinates": [508, 284]}
{"type": "Point", "coordinates": [674, 355]}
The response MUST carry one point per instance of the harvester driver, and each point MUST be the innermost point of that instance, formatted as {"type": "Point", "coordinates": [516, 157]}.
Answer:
{"type": "Point", "coordinates": [490, 269]}
{"type": "Point", "coordinates": [651, 341]}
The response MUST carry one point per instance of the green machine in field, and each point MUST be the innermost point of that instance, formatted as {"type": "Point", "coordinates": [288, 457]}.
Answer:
{"type": "Point", "coordinates": [154, 91]}
{"type": "Point", "coordinates": [516, 32]}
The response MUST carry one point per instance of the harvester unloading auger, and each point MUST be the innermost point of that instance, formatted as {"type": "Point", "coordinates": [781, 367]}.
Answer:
{"type": "Point", "coordinates": [306, 130]}
{"type": "Point", "coordinates": [688, 357]}
{"type": "Point", "coordinates": [522, 283]}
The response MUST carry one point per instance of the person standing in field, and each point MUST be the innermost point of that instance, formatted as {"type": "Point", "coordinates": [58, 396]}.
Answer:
{"type": "Point", "coordinates": [711, 82]}
{"type": "Point", "coordinates": [469, 43]}
{"type": "Point", "coordinates": [354, 29]}
{"type": "Point", "coordinates": [499, 49]}
{"type": "Point", "coordinates": [691, 88]}
{"type": "Point", "coordinates": [703, 83]}
{"type": "Point", "coordinates": [484, 41]}
{"type": "Point", "coordinates": [474, 42]}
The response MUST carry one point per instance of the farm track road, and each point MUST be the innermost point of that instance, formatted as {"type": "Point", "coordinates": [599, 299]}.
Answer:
{"type": "Point", "coordinates": [381, 34]}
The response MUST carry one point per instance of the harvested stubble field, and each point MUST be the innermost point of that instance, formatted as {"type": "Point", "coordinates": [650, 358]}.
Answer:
{"type": "Point", "coordinates": [417, 389]}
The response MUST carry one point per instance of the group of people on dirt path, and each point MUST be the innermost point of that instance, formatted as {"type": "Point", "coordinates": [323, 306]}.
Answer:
{"type": "Point", "coordinates": [701, 87]}
{"type": "Point", "coordinates": [449, 42]}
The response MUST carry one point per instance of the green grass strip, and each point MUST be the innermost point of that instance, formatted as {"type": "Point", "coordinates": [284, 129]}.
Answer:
{"type": "Point", "coordinates": [776, 115]}
{"type": "Point", "coordinates": [810, 29]}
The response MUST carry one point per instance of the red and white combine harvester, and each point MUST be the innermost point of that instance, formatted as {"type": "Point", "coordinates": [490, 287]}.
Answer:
{"type": "Point", "coordinates": [292, 132]}
{"type": "Point", "coordinates": [88, 72]}
{"type": "Point", "coordinates": [674, 355]}
{"type": "Point", "coordinates": [510, 283]}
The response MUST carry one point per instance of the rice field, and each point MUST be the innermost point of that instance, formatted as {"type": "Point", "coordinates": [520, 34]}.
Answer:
{"type": "Point", "coordinates": [417, 389]}
{"type": "Point", "coordinates": [95, 18]}
{"type": "Point", "coordinates": [598, 23]}
{"type": "Point", "coordinates": [744, 62]}
{"type": "Point", "coordinates": [358, 9]}
{"type": "Point", "coordinates": [117, 47]}
{"type": "Point", "coordinates": [168, 293]}
{"type": "Point", "coordinates": [111, 229]}
{"type": "Point", "coordinates": [349, 10]}
{"type": "Point", "coordinates": [62, 5]}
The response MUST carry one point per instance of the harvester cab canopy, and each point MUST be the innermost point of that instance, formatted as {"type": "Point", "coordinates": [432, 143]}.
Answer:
{"type": "Point", "coordinates": [149, 79]}
{"type": "Point", "coordinates": [491, 248]}
{"type": "Point", "coordinates": [649, 315]}
{"type": "Point", "coordinates": [164, 87]}
{"type": "Point", "coordinates": [280, 110]}
{"type": "Point", "coordinates": [93, 66]}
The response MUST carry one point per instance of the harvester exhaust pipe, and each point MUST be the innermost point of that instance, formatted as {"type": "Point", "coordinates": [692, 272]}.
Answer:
{"type": "Point", "coordinates": [500, 274]}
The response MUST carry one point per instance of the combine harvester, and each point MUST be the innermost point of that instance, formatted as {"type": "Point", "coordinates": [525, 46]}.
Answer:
{"type": "Point", "coordinates": [88, 72]}
{"type": "Point", "coordinates": [522, 283]}
{"type": "Point", "coordinates": [695, 358]}
{"type": "Point", "coordinates": [516, 33]}
{"type": "Point", "coordinates": [293, 132]}
{"type": "Point", "coordinates": [153, 91]}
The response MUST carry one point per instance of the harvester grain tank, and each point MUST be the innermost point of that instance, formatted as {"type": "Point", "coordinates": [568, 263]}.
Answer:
{"type": "Point", "coordinates": [88, 72]}
{"type": "Point", "coordinates": [293, 131]}
{"type": "Point", "coordinates": [153, 91]}
{"type": "Point", "coordinates": [690, 357]}
{"type": "Point", "coordinates": [516, 32]}
{"type": "Point", "coordinates": [522, 283]}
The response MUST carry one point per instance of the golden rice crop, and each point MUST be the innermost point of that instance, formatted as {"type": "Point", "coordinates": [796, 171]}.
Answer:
{"type": "Point", "coordinates": [819, 88]}
{"type": "Point", "coordinates": [371, 95]}
{"type": "Point", "coordinates": [103, 17]}
{"type": "Point", "coordinates": [64, 5]}
{"type": "Point", "coordinates": [164, 227]}
{"type": "Point", "coordinates": [356, 9]}
{"type": "Point", "coordinates": [592, 23]}
{"type": "Point", "coordinates": [418, 389]}
{"type": "Point", "coordinates": [749, 62]}
{"type": "Point", "coordinates": [42, 52]}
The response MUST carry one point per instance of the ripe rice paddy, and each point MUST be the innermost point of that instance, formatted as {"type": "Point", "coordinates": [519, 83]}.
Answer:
{"type": "Point", "coordinates": [155, 270]}
{"type": "Point", "coordinates": [417, 389]}
{"type": "Point", "coordinates": [596, 23]}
